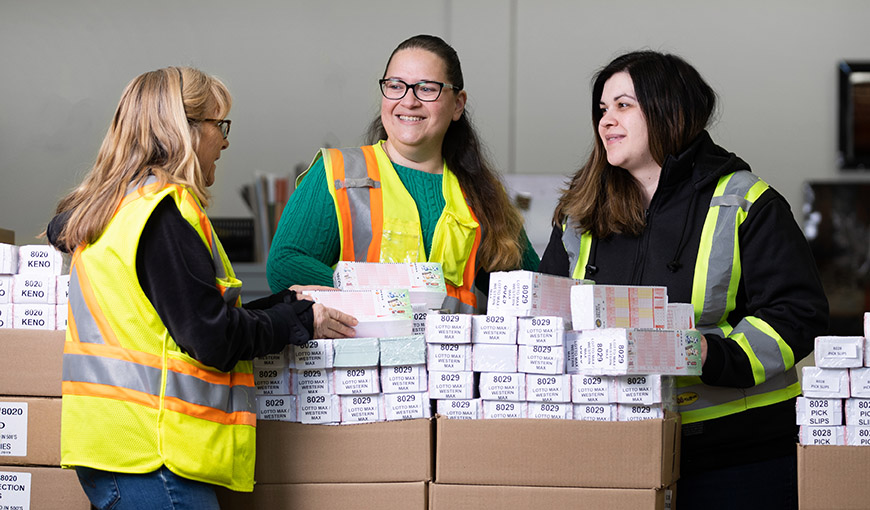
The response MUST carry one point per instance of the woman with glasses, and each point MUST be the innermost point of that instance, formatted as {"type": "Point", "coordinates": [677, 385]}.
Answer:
{"type": "Point", "coordinates": [158, 388]}
{"type": "Point", "coordinates": [659, 203]}
{"type": "Point", "coordinates": [422, 191]}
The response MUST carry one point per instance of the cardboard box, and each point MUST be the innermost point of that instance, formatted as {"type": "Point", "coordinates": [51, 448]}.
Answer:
{"type": "Point", "coordinates": [393, 451]}
{"type": "Point", "coordinates": [7, 236]}
{"type": "Point", "coordinates": [32, 362]}
{"type": "Point", "coordinates": [50, 488]}
{"type": "Point", "coordinates": [32, 434]}
{"type": "Point", "coordinates": [482, 497]}
{"type": "Point", "coordinates": [329, 496]}
{"type": "Point", "coordinates": [833, 477]}
{"type": "Point", "coordinates": [626, 455]}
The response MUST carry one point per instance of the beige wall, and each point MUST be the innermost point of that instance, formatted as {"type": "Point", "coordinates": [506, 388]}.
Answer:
{"type": "Point", "coordinates": [303, 74]}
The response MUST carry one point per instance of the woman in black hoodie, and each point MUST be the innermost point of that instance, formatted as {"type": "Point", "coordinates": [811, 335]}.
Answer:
{"type": "Point", "coordinates": [658, 203]}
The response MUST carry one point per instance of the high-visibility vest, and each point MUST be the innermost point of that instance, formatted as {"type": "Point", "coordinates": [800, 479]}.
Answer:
{"type": "Point", "coordinates": [132, 400]}
{"type": "Point", "coordinates": [378, 220]}
{"type": "Point", "coordinates": [718, 267]}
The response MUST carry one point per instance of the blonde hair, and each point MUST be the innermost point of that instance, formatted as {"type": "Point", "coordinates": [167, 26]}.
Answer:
{"type": "Point", "coordinates": [151, 133]}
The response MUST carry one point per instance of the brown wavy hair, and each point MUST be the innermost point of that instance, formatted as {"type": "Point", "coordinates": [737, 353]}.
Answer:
{"type": "Point", "coordinates": [502, 224]}
{"type": "Point", "coordinates": [677, 104]}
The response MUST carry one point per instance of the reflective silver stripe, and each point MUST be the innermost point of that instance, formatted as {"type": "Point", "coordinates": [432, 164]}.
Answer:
{"type": "Point", "coordinates": [227, 398]}
{"type": "Point", "coordinates": [454, 305]}
{"type": "Point", "coordinates": [114, 372]}
{"type": "Point", "coordinates": [765, 348]}
{"type": "Point", "coordinates": [367, 182]}
{"type": "Point", "coordinates": [357, 183]}
{"type": "Point", "coordinates": [86, 326]}
{"type": "Point", "coordinates": [721, 261]}
{"type": "Point", "coordinates": [571, 242]}
{"type": "Point", "coordinates": [711, 396]}
{"type": "Point", "coordinates": [145, 379]}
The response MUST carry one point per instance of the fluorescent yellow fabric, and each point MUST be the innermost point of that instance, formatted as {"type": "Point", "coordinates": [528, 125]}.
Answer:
{"type": "Point", "coordinates": [132, 400]}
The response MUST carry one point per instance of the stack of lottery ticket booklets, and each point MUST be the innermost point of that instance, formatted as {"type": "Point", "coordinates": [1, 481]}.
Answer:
{"type": "Point", "coordinates": [424, 280]}
{"type": "Point", "coordinates": [34, 292]}
{"type": "Point", "coordinates": [835, 406]}
{"type": "Point", "coordinates": [626, 346]}
{"type": "Point", "coordinates": [452, 383]}
{"type": "Point", "coordinates": [530, 294]}
{"type": "Point", "coordinates": [381, 313]}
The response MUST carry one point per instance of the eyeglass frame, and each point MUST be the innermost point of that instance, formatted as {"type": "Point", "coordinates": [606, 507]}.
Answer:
{"type": "Point", "coordinates": [220, 123]}
{"type": "Point", "coordinates": [413, 87]}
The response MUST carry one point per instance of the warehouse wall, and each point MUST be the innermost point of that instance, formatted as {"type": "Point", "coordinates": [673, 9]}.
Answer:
{"type": "Point", "coordinates": [303, 75]}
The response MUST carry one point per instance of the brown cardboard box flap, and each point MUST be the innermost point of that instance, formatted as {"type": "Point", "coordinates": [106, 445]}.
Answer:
{"type": "Point", "coordinates": [52, 488]}
{"type": "Point", "coordinates": [43, 431]}
{"type": "Point", "coordinates": [31, 362]}
{"type": "Point", "coordinates": [499, 497]}
{"type": "Point", "coordinates": [833, 477]}
{"type": "Point", "coordinates": [558, 453]}
{"type": "Point", "coordinates": [329, 496]}
{"type": "Point", "coordinates": [393, 451]}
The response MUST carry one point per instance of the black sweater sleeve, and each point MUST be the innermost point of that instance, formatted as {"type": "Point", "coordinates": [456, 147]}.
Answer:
{"type": "Point", "coordinates": [176, 274]}
{"type": "Point", "coordinates": [555, 259]}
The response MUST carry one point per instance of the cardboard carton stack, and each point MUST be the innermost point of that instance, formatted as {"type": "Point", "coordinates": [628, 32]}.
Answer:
{"type": "Point", "coordinates": [834, 419]}
{"type": "Point", "coordinates": [374, 385]}
{"type": "Point", "coordinates": [30, 417]}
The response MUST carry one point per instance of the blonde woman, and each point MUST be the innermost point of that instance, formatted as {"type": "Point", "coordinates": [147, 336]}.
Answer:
{"type": "Point", "coordinates": [158, 389]}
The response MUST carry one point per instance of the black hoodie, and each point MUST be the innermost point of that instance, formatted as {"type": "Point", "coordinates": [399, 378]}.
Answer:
{"type": "Point", "coordinates": [779, 284]}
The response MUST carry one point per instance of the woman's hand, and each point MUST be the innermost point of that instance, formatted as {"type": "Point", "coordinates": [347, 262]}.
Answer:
{"type": "Point", "coordinates": [331, 323]}
{"type": "Point", "coordinates": [703, 350]}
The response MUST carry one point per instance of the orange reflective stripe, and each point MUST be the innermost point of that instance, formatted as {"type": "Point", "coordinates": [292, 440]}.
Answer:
{"type": "Point", "coordinates": [343, 203]}
{"type": "Point", "coordinates": [88, 389]}
{"type": "Point", "coordinates": [204, 224]}
{"type": "Point", "coordinates": [376, 201]}
{"type": "Point", "coordinates": [85, 389]}
{"type": "Point", "coordinates": [466, 294]}
{"type": "Point", "coordinates": [210, 413]}
{"type": "Point", "coordinates": [87, 290]}
{"type": "Point", "coordinates": [154, 361]}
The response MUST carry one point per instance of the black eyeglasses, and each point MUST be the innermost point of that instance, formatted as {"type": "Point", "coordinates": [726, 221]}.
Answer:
{"type": "Point", "coordinates": [222, 124]}
{"type": "Point", "coordinates": [395, 89]}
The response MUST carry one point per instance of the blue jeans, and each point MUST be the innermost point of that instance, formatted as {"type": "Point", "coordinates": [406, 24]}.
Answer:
{"type": "Point", "coordinates": [161, 489]}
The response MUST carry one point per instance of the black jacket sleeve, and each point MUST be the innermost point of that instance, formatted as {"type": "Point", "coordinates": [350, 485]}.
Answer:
{"type": "Point", "coordinates": [176, 274]}
{"type": "Point", "coordinates": [779, 285]}
{"type": "Point", "coordinates": [555, 259]}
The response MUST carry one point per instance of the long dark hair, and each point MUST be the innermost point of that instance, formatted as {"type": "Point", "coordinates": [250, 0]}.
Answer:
{"type": "Point", "coordinates": [462, 150]}
{"type": "Point", "coordinates": [677, 104]}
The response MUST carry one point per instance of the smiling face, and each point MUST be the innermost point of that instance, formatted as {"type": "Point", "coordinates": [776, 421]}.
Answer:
{"type": "Point", "coordinates": [208, 150]}
{"type": "Point", "coordinates": [415, 129]}
{"type": "Point", "coordinates": [623, 128]}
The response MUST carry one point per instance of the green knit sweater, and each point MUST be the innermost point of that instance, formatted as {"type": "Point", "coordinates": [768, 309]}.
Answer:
{"type": "Point", "coordinates": [306, 244]}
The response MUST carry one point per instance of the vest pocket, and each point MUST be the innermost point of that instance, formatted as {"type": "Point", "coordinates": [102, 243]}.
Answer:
{"type": "Point", "coordinates": [452, 246]}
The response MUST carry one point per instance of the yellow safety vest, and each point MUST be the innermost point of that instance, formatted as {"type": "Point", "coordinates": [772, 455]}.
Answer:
{"type": "Point", "coordinates": [378, 220]}
{"type": "Point", "coordinates": [718, 267]}
{"type": "Point", "coordinates": [132, 400]}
